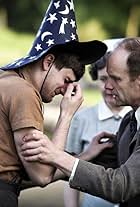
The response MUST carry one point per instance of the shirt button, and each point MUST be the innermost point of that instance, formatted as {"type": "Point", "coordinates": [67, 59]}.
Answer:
{"type": "Point", "coordinates": [117, 117]}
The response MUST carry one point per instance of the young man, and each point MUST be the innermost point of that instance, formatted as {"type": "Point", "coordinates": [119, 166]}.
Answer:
{"type": "Point", "coordinates": [53, 66]}
{"type": "Point", "coordinates": [122, 183]}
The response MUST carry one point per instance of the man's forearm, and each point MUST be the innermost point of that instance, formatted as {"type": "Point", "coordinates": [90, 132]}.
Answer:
{"type": "Point", "coordinates": [61, 131]}
{"type": "Point", "coordinates": [64, 172]}
{"type": "Point", "coordinates": [64, 162]}
{"type": "Point", "coordinates": [59, 139]}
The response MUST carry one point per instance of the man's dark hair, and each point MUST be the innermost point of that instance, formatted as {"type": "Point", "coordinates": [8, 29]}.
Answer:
{"type": "Point", "coordinates": [63, 58]}
{"type": "Point", "coordinates": [68, 60]}
{"type": "Point", "coordinates": [98, 65]}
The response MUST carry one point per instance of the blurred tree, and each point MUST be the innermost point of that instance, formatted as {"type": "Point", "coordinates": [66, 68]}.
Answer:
{"type": "Point", "coordinates": [24, 16]}
{"type": "Point", "coordinates": [118, 18]}
{"type": "Point", "coordinates": [113, 18]}
{"type": "Point", "coordinates": [133, 28]}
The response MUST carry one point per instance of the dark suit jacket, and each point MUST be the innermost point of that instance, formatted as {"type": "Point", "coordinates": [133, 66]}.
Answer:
{"type": "Point", "coordinates": [119, 185]}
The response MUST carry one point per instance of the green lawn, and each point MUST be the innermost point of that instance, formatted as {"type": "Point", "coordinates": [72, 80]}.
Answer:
{"type": "Point", "coordinates": [13, 45]}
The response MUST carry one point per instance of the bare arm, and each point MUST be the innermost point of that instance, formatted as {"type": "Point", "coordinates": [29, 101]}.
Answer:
{"type": "Point", "coordinates": [42, 174]}
{"type": "Point", "coordinates": [37, 172]}
{"type": "Point", "coordinates": [68, 107]}
{"type": "Point", "coordinates": [38, 146]}
{"type": "Point", "coordinates": [115, 185]}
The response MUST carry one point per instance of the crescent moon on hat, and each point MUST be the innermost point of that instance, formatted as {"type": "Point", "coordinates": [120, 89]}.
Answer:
{"type": "Point", "coordinates": [66, 11]}
{"type": "Point", "coordinates": [45, 34]}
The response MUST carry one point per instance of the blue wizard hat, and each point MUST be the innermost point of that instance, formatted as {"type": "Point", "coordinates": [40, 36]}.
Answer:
{"type": "Point", "coordinates": [58, 30]}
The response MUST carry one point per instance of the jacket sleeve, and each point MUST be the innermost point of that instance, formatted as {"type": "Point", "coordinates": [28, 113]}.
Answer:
{"type": "Point", "coordinates": [115, 185]}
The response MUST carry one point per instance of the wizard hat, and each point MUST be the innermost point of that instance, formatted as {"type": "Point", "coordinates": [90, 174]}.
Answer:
{"type": "Point", "coordinates": [58, 30]}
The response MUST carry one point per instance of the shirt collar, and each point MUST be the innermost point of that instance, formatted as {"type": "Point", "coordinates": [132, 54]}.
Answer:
{"type": "Point", "coordinates": [105, 113]}
{"type": "Point", "coordinates": [137, 115]}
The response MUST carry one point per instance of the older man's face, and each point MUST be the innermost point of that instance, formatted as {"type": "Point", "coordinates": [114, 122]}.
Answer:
{"type": "Point", "coordinates": [124, 89]}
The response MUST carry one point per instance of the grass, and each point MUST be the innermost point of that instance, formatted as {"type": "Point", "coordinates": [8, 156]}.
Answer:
{"type": "Point", "coordinates": [13, 45]}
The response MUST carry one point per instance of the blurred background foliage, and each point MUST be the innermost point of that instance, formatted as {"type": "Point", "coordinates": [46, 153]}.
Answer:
{"type": "Point", "coordinates": [96, 19]}
{"type": "Point", "coordinates": [20, 20]}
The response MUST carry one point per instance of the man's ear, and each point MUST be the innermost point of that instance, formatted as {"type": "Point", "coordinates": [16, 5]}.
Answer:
{"type": "Point", "coordinates": [47, 61]}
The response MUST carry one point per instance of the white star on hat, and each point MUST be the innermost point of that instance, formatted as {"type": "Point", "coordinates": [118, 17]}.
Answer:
{"type": "Point", "coordinates": [72, 23]}
{"type": "Point", "coordinates": [38, 47]}
{"type": "Point", "coordinates": [50, 42]}
{"type": "Point", "coordinates": [73, 36]}
{"type": "Point", "coordinates": [57, 4]}
{"type": "Point", "coordinates": [52, 18]}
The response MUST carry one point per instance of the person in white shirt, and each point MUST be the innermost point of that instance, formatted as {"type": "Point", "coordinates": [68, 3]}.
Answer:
{"type": "Point", "coordinates": [107, 117]}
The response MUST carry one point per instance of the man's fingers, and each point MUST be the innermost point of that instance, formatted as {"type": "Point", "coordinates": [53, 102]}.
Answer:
{"type": "Point", "coordinates": [30, 145]}
{"type": "Point", "coordinates": [78, 90]}
{"type": "Point", "coordinates": [33, 158]}
{"type": "Point", "coordinates": [104, 135]}
{"type": "Point", "coordinates": [73, 89]}
{"type": "Point", "coordinates": [31, 152]}
{"type": "Point", "coordinates": [33, 136]}
{"type": "Point", "coordinates": [106, 145]}
{"type": "Point", "coordinates": [69, 90]}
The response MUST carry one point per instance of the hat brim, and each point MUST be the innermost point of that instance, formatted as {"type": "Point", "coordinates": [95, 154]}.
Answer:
{"type": "Point", "coordinates": [88, 52]}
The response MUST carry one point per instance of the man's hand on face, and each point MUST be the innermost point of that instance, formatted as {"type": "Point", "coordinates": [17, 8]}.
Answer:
{"type": "Point", "coordinates": [71, 100]}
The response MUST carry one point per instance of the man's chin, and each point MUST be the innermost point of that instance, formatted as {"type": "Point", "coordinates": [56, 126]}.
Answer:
{"type": "Point", "coordinates": [110, 100]}
{"type": "Point", "coordinates": [119, 103]}
{"type": "Point", "coordinates": [115, 102]}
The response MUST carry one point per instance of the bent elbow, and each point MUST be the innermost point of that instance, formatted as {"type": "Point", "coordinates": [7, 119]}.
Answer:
{"type": "Point", "coordinates": [43, 181]}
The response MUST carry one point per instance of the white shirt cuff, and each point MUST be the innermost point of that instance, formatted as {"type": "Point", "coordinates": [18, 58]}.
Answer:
{"type": "Point", "coordinates": [74, 169]}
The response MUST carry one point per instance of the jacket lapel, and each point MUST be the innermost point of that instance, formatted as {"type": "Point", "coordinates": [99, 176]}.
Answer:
{"type": "Point", "coordinates": [135, 141]}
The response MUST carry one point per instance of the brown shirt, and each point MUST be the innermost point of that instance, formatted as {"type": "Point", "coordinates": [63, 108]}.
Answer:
{"type": "Point", "coordinates": [20, 107]}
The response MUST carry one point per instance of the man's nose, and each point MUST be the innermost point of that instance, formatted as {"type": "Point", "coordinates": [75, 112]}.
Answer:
{"type": "Point", "coordinates": [108, 84]}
